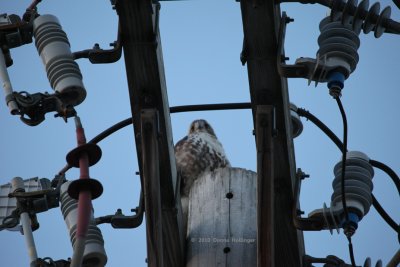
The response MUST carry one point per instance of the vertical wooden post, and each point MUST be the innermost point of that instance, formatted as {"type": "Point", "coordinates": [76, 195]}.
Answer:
{"type": "Point", "coordinates": [261, 22]}
{"type": "Point", "coordinates": [222, 219]}
{"type": "Point", "coordinates": [151, 187]}
{"type": "Point", "coordinates": [265, 186]}
{"type": "Point", "coordinates": [142, 49]}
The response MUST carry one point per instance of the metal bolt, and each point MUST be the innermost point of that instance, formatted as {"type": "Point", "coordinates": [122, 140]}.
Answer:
{"type": "Point", "coordinates": [229, 195]}
{"type": "Point", "coordinates": [302, 175]}
{"type": "Point", "coordinates": [135, 210]}
{"type": "Point", "coordinates": [283, 58]}
{"type": "Point", "coordinates": [299, 212]}
{"type": "Point", "coordinates": [288, 20]}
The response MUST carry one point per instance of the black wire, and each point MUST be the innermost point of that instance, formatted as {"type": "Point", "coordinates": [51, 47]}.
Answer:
{"type": "Point", "coordinates": [10, 221]}
{"type": "Point", "coordinates": [388, 170]}
{"type": "Point", "coordinates": [301, 112]}
{"type": "Point", "coordinates": [209, 107]}
{"type": "Point", "coordinates": [110, 131]}
{"type": "Point", "coordinates": [344, 152]}
{"type": "Point", "coordinates": [384, 215]}
{"type": "Point", "coordinates": [305, 113]}
{"type": "Point", "coordinates": [176, 109]}
{"type": "Point", "coordinates": [397, 3]}
{"type": "Point", "coordinates": [308, 115]}
{"type": "Point", "coordinates": [351, 251]}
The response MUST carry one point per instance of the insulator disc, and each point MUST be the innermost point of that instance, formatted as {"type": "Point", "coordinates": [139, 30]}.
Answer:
{"type": "Point", "coordinates": [367, 262]}
{"type": "Point", "coordinates": [385, 14]}
{"type": "Point", "coordinates": [346, 17]}
{"type": "Point", "coordinates": [369, 23]}
{"type": "Point", "coordinates": [357, 20]}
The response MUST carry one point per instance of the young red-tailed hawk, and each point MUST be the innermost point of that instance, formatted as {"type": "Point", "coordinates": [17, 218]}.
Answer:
{"type": "Point", "coordinates": [196, 153]}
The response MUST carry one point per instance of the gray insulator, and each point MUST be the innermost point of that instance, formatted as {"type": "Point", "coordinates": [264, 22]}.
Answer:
{"type": "Point", "coordinates": [365, 19]}
{"type": "Point", "coordinates": [358, 191]}
{"type": "Point", "coordinates": [297, 125]}
{"type": "Point", "coordinates": [338, 45]}
{"type": "Point", "coordinates": [62, 71]}
{"type": "Point", "coordinates": [385, 14]}
{"type": "Point", "coordinates": [94, 249]}
{"type": "Point", "coordinates": [358, 184]}
{"type": "Point", "coordinates": [368, 263]}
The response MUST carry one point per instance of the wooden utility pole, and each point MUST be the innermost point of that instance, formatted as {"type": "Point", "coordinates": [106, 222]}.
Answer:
{"type": "Point", "coordinates": [265, 120]}
{"type": "Point", "coordinates": [153, 135]}
{"type": "Point", "coordinates": [222, 219]}
{"type": "Point", "coordinates": [278, 242]}
{"type": "Point", "coordinates": [261, 19]}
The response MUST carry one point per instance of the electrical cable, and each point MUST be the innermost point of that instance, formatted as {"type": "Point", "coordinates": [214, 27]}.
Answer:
{"type": "Point", "coordinates": [351, 251]}
{"type": "Point", "coordinates": [177, 109]}
{"type": "Point", "coordinates": [347, 228]}
{"type": "Point", "coordinates": [344, 153]}
{"type": "Point", "coordinates": [246, 105]}
{"type": "Point", "coordinates": [397, 3]}
{"type": "Point", "coordinates": [33, 5]}
{"type": "Point", "coordinates": [309, 116]}
{"type": "Point", "coordinates": [385, 216]}
{"type": "Point", "coordinates": [395, 178]}
{"type": "Point", "coordinates": [11, 220]}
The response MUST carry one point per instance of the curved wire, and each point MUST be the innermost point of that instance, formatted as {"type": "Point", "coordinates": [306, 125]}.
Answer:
{"type": "Point", "coordinates": [309, 116]}
{"type": "Point", "coordinates": [395, 178]}
{"type": "Point", "coordinates": [385, 216]}
{"type": "Point", "coordinates": [343, 193]}
{"type": "Point", "coordinates": [344, 152]}
{"type": "Point", "coordinates": [177, 109]}
{"type": "Point", "coordinates": [247, 105]}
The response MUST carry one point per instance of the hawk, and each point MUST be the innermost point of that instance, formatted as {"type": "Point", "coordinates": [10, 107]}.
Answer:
{"type": "Point", "coordinates": [196, 153]}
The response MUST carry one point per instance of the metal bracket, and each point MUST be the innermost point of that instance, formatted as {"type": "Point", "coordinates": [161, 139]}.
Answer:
{"type": "Point", "coordinates": [101, 56]}
{"type": "Point", "coordinates": [304, 67]}
{"type": "Point", "coordinates": [304, 224]}
{"type": "Point", "coordinates": [330, 261]}
{"type": "Point", "coordinates": [35, 106]}
{"type": "Point", "coordinates": [15, 32]}
{"type": "Point", "coordinates": [285, 70]}
{"type": "Point", "coordinates": [121, 221]}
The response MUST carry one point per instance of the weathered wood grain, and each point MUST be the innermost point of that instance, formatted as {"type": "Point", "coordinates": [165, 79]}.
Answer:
{"type": "Point", "coordinates": [147, 91]}
{"type": "Point", "coordinates": [222, 219]}
{"type": "Point", "coordinates": [261, 22]}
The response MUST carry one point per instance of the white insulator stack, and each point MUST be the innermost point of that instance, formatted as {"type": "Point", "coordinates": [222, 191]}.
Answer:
{"type": "Point", "coordinates": [94, 249]}
{"type": "Point", "coordinates": [62, 71]}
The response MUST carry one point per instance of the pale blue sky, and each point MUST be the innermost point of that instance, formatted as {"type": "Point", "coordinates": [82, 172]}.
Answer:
{"type": "Point", "coordinates": [202, 41]}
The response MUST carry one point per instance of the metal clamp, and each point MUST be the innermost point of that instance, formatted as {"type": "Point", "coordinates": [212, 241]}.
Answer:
{"type": "Point", "coordinates": [33, 107]}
